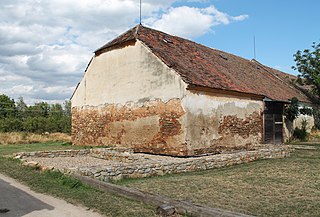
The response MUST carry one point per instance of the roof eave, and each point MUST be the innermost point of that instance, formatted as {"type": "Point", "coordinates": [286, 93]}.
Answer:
{"type": "Point", "coordinates": [224, 91]}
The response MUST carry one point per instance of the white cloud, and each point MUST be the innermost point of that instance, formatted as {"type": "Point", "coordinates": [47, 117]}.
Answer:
{"type": "Point", "coordinates": [46, 45]}
{"type": "Point", "coordinates": [241, 17]}
{"type": "Point", "coordinates": [192, 22]}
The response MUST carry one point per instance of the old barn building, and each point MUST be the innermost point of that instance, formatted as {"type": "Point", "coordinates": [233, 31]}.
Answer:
{"type": "Point", "coordinates": [163, 94]}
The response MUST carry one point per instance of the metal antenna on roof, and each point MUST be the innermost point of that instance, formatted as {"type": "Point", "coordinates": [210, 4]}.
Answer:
{"type": "Point", "coordinates": [254, 47]}
{"type": "Point", "coordinates": [140, 12]}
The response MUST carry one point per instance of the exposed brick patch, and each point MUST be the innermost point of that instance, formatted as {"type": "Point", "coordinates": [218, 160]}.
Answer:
{"type": "Point", "coordinates": [156, 122]}
{"type": "Point", "coordinates": [231, 125]}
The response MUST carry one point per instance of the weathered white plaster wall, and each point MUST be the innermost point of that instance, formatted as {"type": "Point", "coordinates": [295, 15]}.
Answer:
{"type": "Point", "coordinates": [130, 78]}
{"type": "Point", "coordinates": [299, 120]}
{"type": "Point", "coordinates": [79, 96]}
{"type": "Point", "coordinates": [205, 119]}
{"type": "Point", "coordinates": [289, 126]}
{"type": "Point", "coordinates": [130, 74]}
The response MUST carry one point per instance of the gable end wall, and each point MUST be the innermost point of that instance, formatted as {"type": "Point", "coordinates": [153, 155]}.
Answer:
{"type": "Point", "coordinates": [128, 97]}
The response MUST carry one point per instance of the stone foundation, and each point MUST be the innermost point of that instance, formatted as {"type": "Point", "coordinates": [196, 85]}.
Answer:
{"type": "Point", "coordinates": [127, 165]}
{"type": "Point", "coordinates": [111, 154]}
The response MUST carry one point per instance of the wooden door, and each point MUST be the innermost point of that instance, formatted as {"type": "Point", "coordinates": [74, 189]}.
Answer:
{"type": "Point", "coordinates": [273, 122]}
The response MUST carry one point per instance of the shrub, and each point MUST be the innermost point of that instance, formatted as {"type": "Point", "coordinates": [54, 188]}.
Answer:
{"type": "Point", "coordinates": [302, 133]}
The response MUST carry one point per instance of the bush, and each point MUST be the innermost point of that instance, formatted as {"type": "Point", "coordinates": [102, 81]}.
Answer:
{"type": "Point", "coordinates": [302, 133]}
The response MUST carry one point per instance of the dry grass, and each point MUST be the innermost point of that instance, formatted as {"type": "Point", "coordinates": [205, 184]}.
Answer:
{"type": "Point", "coordinates": [27, 138]}
{"type": "Point", "coordinates": [314, 136]}
{"type": "Point", "coordinates": [278, 187]}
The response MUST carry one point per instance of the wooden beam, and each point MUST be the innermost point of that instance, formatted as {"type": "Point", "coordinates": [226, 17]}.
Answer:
{"type": "Point", "coordinates": [181, 207]}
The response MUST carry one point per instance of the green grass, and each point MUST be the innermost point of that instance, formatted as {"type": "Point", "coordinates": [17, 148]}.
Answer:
{"type": "Point", "coordinates": [10, 149]}
{"type": "Point", "coordinates": [277, 187]}
{"type": "Point", "coordinates": [14, 148]}
{"type": "Point", "coordinates": [73, 191]}
{"type": "Point", "coordinates": [314, 144]}
{"type": "Point", "coordinates": [67, 188]}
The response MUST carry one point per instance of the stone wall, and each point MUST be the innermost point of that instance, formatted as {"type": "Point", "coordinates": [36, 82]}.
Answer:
{"type": "Point", "coordinates": [139, 170]}
{"type": "Point", "coordinates": [153, 127]}
{"type": "Point", "coordinates": [216, 122]}
{"type": "Point", "coordinates": [197, 125]}
{"type": "Point", "coordinates": [122, 163]}
{"type": "Point", "coordinates": [114, 154]}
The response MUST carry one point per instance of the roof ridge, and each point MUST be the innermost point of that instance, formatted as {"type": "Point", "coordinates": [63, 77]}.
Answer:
{"type": "Point", "coordinates": [274, 75]}
{"type": "Point", "coordinates": [201, 65]}
{"type": "Point", "coordinates": [123, 35]}
{"type": "Point", "coordinates": [137, 30]}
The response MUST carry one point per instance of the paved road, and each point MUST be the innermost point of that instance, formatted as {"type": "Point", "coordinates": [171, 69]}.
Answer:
{"type": "Point", "coordinates": [17, 200]}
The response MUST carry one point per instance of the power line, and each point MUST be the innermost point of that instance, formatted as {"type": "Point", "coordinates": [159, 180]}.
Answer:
{"type": "Point", "coordinates": [254, 47]}
{"type": "Point", "coordinates": [140, 12]}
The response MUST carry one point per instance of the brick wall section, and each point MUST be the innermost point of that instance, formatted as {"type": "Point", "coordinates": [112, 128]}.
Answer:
{"type": "Point", "coordinates": [231, 125]}
{"type": "Point", "coordinates": [153, 128]}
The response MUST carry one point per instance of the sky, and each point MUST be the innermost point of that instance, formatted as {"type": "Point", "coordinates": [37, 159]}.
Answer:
{"type": "Point", "coordinates": [45, 45]}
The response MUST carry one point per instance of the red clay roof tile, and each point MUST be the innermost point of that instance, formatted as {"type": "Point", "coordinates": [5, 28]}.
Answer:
{"type": "Point", "coordinates": [206, 67]}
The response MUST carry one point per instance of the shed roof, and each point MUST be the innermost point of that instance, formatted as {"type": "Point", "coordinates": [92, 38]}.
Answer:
{"type": "Point", "coordinates": [211, 68]}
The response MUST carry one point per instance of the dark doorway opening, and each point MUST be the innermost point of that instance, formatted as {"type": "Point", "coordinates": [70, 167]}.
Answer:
{"type": "Point", "coordinates": [273, 122]}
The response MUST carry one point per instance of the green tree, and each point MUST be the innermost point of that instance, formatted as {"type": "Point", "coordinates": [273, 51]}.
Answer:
{"type": "Point", "coordinates": [292, 111]}
{"type": "Point", "coordinates": [40, 109]}
{"type": "Point", "coordinates": [8, 113]}
{"type": "Point", "coordinates": [7, 107]}
{"type": "Point", "coordinates": [67, 117]}
{"type": "Point", "coordinates": [67, 108]}
{"type": "Point", "coordinates": [38, 118]}
{"type": "Point", "coordinates": [21, 109]}
{"type": "Point", "coordinates": [308, 64]}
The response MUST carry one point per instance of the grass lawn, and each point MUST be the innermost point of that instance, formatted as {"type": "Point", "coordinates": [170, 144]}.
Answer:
{"type": "Point", "coordinates": [69, 189]}
{"type": "Point", "coordinates": [14, 148]}
{"type": "Point", "coordinates": [277, 187]}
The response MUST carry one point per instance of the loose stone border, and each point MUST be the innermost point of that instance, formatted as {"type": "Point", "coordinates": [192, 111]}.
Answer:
{"type": "Point", "coordinates": [118, 154]}
{"type": "Point", "coordinates": [305, 147]}
{"type": "Point", "coordinates": [130, 165]}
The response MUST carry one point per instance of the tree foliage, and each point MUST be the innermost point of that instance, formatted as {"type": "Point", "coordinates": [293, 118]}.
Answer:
{"type": "Point", "coordinates": [38, 118]}
{"type": "Point", "coordinates": [293, 110]}
{"type": "Point", "coordinates": [308, 64]}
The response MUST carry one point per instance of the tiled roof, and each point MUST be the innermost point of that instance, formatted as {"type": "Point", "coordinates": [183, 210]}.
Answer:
{"type": "Point", "coordinates": [206, 67]}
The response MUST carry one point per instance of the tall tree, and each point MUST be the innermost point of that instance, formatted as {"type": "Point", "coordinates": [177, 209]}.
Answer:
{"type": "Point", "coordinates": [21, 109]}
{"type": "Point", "coordinates": [7, 107]}
{"type": "Point", "coordinates": [308, 64]}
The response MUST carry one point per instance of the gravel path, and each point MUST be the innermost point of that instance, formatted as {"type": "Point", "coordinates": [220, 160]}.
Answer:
{"type": "Point", "coordinates": [61, 163]}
